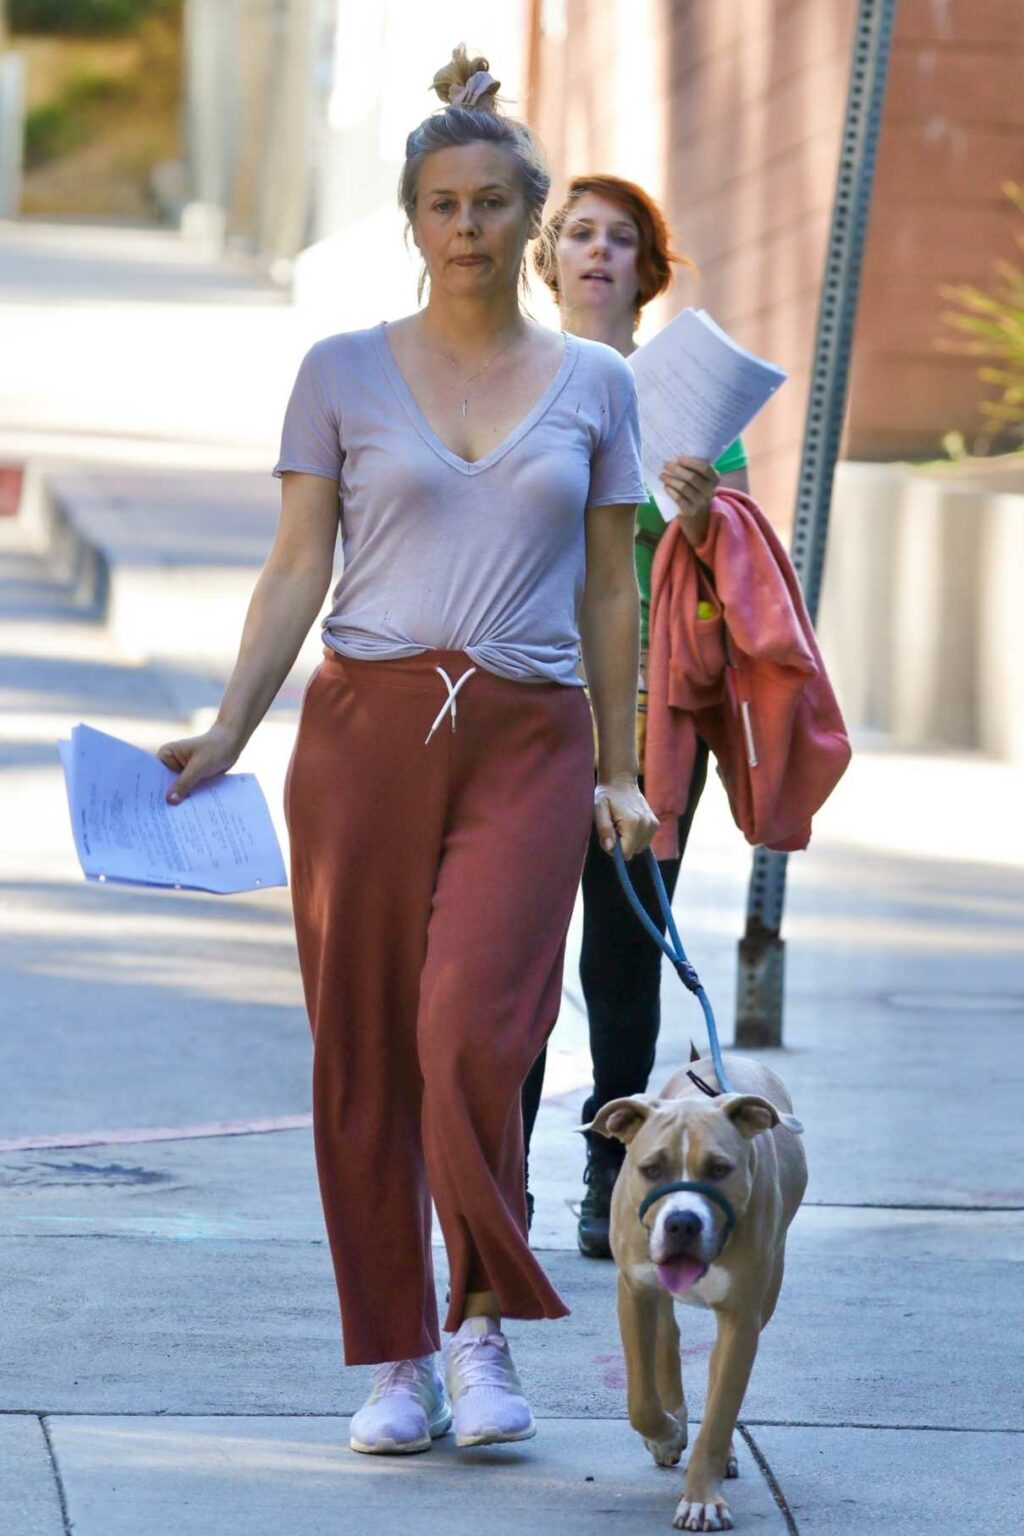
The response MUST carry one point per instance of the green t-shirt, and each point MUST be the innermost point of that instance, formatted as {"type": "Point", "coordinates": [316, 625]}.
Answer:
{"type": "Point", "coordinates": [650, 525]}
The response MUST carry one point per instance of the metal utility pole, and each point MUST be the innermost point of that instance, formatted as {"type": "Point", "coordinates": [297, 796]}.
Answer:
{"type": "Point", "coordinates": [761, 968]}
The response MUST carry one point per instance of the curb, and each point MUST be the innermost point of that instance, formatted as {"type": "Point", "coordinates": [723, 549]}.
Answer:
{"type": "Point", "coordinates": [165, 561]}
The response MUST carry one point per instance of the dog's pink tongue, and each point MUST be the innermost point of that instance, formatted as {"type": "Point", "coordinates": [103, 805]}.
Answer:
{"type": "Point", "coordinates": [681, 1274]}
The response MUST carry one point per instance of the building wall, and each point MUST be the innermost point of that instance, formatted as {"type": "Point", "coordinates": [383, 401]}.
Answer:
{"type": "Point", "coordinates": [756, 98]}
{"type": "Point", "coordinates": [256, 75]}
{"type": "Point", "coordinates": [359, 268]}
{"type": "Point", "coordinates": [731, 113]}
{"type": "Point", "coordinates": [953, 133]}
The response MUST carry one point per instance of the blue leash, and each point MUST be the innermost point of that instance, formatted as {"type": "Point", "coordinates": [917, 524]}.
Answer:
{"type": "Point", "coordinates": [674, 949]}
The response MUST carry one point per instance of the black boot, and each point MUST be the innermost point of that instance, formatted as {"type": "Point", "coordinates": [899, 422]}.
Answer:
{"type": "Point", "coordinates": [599, 1176]}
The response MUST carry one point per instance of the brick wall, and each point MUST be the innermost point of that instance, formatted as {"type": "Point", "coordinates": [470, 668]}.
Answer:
{"type": "Point", "coordinates": [738, 120]}
{"type": "Point", "coordinates": [953, 132]}
{"type": "Point", "coordinates": [730, 112]}
{"type": "Point", "coordinates": [756, 97]}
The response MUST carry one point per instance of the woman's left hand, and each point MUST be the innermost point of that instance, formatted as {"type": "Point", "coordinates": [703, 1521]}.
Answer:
{"type": "Point", "coordinates": [692, 484]}
{"type": "Point", "coordinates": [620, 808]}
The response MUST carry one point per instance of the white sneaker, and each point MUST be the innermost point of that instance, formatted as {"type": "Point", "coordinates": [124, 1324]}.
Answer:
{"type": "Point", "coordinates": [486, 1393]}
{"type": "Point", "coordinates": [407, 1408]}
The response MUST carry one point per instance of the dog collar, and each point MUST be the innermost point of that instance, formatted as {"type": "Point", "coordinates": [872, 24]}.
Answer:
{"type": "Point", "coordinates": [707, 1190]}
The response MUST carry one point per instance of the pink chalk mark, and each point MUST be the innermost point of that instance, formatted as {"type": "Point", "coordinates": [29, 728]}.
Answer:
{"type": "Point", "coordinates": [159, 1133]}
{"type": "Point", "coordinates": [613, 1374]}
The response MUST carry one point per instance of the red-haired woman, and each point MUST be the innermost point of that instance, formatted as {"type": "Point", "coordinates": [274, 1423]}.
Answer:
{"type": "Point", "coordinates": [605, 254]}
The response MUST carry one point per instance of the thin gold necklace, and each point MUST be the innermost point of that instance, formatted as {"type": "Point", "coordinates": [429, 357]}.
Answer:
{"type": "Point", "coordinates": [467, 381]}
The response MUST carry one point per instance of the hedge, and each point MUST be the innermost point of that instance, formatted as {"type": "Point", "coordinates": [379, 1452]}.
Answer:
{"type": "Point", "coordinates": [75, 17]}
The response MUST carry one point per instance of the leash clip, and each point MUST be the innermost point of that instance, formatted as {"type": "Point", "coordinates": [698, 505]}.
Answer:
{"type": "Point", "coordinates": [687, 975]}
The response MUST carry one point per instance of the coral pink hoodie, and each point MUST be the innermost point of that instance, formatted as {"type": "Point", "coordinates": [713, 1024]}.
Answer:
{"type": "Point", "coordinates": [750, 681]}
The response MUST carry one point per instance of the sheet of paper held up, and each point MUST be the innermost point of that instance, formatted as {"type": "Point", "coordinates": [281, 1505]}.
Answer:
{"type": "Point", "coordinates": [698, 389]}
{"type": "Point", "coordinates": [219, 839]}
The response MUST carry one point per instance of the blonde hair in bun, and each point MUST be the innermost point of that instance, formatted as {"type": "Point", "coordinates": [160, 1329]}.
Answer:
{"type": "Point", "coordinates": [470, 115]}
{"type": "Point", "coordinates": [466, 82]}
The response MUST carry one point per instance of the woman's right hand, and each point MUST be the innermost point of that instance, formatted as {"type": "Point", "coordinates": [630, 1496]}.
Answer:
{"type": "Point", "coordinates": [198, 758]}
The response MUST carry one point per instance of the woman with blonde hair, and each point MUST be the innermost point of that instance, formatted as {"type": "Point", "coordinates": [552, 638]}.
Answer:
{"type": "Point", "coordinates": [605, 254]}
{"type": "Point", "coordinates": [441, 790]}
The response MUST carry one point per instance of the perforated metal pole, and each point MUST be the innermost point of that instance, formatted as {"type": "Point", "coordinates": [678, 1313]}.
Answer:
{"type": "Point", "coordinates": [761, 968]}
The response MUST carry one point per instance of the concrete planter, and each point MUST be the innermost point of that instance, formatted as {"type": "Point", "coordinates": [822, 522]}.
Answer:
{"type": "Point", "coordinates": [922, 616]}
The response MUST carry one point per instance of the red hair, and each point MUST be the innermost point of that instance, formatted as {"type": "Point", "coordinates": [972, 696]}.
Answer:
{"type": "Point", "coordinates": [654, 256]}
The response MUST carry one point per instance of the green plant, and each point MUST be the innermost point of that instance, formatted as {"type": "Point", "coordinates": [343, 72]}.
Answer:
{"type": "Point", "coordinates": [88, 89]}
{"type": "Point", "coordinates": [993, 320]}
{"type": "Point", "coordinates": [76, 17]}
{"type": "Point", "coordinates": [65, 124]}
{"type": "Point", "coordinates": [51, 130]}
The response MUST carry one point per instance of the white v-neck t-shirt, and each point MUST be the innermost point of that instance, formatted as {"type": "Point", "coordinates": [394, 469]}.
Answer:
{"type": "Point", "coordinates": [441, 553]}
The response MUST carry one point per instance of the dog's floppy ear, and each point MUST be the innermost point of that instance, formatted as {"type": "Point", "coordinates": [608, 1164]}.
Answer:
{"type": "Point", "coordinates": [751, 1114]}
{"type": "Point", "coordinates": [622, 1117]}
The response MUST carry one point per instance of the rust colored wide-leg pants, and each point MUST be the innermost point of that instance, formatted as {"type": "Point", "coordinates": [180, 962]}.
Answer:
{"type": "Point", "coordinates": [433, 885]}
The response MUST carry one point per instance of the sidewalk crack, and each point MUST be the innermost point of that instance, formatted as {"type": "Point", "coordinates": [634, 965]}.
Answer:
{"type": "Point", "coordinates": [58, 1480]}
{"type": "Point", "coordinates": [770, 1478]}
{"type": "Point", "coordinates": [926, 1207]}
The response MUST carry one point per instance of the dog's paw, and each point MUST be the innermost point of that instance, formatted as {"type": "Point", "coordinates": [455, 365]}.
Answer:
{"type": "Point", "coordinates": [668, 1450]}
{"type": "Point", "coordinates": [692, 1515]}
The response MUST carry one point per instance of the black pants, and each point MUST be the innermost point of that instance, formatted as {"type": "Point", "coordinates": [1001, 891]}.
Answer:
{"type": "Point", "coordinates": [620, 971]}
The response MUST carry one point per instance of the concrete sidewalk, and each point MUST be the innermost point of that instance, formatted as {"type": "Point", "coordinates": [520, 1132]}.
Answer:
{"type": "Point", "coordinates": [169, 1336]}
{"type": "Point", "coordinates": [170, 1359]}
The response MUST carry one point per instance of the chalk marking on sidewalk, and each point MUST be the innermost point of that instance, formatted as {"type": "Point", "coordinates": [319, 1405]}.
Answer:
{"type": "Point", "coordinates": [158, 1133]}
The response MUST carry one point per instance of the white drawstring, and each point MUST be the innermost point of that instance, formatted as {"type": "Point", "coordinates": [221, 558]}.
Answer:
{"type": "Point", "coordinates": [449, 706]}
{"type": "Point", "coordinates": [748, 732]}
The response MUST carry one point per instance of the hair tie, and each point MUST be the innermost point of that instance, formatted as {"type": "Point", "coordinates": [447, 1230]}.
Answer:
{"type": "Point", "coordinates": [476, 88]}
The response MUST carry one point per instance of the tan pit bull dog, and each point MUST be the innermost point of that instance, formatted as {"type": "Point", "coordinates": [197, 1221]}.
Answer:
{"type": "Point", "coordinates": [720, 1245]}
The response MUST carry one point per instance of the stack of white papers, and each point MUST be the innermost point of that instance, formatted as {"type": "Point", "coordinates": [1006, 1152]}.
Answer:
{"type": "Point", "coordinates": [220, 838]}
{"type": "Point", "coordinates": [698, 389]}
